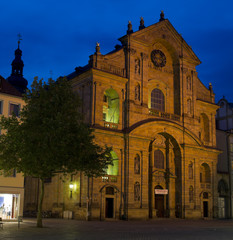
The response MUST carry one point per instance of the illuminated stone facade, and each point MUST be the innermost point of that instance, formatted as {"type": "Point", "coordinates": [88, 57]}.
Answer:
{"type": "Point", "coordinates": [146, 101]}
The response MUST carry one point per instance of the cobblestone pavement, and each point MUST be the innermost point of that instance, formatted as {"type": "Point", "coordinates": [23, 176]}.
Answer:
{"type": "Point", "coordinates": [143, 230]}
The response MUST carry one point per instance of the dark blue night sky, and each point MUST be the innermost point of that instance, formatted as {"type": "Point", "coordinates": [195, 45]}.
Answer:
{"type": "Point", "coordinates": [60, 35]}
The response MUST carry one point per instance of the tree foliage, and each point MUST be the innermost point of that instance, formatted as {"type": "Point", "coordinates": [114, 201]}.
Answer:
{"type": "Point", "coordinates": [50, 135]}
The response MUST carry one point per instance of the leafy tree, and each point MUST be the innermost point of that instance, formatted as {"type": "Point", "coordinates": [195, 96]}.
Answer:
{"type": "Point", "coordinates": [50, 137]}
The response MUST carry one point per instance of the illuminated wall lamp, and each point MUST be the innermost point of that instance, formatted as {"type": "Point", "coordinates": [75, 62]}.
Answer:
{"type": "Point", "coordinates": [71, 186]}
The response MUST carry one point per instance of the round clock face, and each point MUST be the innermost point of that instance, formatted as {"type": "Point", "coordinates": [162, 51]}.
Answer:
{"type": "Point", "coordinates": [158, 58]}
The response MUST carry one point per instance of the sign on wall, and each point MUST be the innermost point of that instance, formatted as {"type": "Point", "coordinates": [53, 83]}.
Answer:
{"type": "Point", "coordinates": [161, 191]}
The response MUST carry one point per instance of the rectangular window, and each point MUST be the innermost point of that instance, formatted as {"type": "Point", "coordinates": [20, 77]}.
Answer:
{"type": "Point", "coordinates": [105, 99]}
{"type": "Point", "coordinates": [48, 180]}
{"type": "Point", "coordinates": [14, 109]}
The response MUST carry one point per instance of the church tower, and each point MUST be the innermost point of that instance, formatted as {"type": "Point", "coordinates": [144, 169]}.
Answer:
{"type": "Point", "coordinates": [16, 78]}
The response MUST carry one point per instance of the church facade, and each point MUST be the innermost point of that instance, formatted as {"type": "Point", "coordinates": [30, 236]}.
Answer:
{"type": "Point", "coordinates": [146, 101]}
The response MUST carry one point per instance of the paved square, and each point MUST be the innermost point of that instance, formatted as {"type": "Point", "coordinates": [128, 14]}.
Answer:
{"type": "Point", "coordinates": [143, 230]}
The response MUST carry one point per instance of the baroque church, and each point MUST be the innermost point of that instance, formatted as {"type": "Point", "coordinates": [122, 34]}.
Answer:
{"type": "Point", "coordinates": [145, 100]}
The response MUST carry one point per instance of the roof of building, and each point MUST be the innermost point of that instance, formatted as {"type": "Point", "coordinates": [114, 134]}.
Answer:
{"type": "Point", "coordinates": [7, 88]}
{"type": "Point", "coordinates": [137, 33]}
{"type": "Point", "coordinates": [223, 99]}
{"type": "Point", "coordinates": [78, 71]}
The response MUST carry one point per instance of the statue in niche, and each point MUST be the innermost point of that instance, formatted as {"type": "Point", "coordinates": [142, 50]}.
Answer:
{"type": "Point", "coordinates": [137, 92]}
{"type": "Point", "coordinates": [137, 164]}
{"type": "Point", "coordinates": [191, 170]}
{"type": "Point", "coordinates": [137, 66]}
{"type": "Point", "coordinates": [137, 191]}
{"type": "Point", "coordinates": [191, 194]}
{"type": "Point", "coordinates": [189, 84]}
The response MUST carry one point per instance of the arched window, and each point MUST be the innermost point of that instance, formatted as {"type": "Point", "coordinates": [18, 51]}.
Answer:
{"type": "Point", "coordinates": [157, 100]}
{"type": "Point", "coordinates": [110, 190]}
{"type": "Point", "coordinates": [205, 195]}
{"type": "Point", "coordinates": [111, 106]}
{"type": "Point", "coordinates": [205, 173]}
{"type": "Point", "coordinates": [137, 191]}
{"type": "Point", "coordinates": [158, 159]}
{"type": "Point", "coordinates": [137, 92]}
{"type": "Point", "coordinates": [191, 194]}
{"type": "Point", "coordinates": [222, 188]}
{"type": "Point", "coordinates": [113, 169]}
{"type": "Point", "coordinates": [221, 104]}
{"type": "Point", "coordinates": [191, 170]}
{"type": "Point", "coordinates": [204, 125]}
{"type": "Point", "coordinates": [137, 164]}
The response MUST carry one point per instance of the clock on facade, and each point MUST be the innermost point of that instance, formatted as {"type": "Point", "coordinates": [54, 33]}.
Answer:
{"type": "Point", "coordinates": [158, 58]}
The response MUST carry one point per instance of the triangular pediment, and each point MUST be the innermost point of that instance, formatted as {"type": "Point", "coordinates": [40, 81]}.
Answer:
{"type": "Point", "coordinates": [164, 33]}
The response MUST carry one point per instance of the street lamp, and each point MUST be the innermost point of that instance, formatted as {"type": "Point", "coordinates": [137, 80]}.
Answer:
{"type": "Point", "coordinates": [71, 186]}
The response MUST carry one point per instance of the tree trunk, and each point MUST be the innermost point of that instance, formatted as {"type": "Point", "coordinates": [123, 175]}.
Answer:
{"type": "Point", "coordinates": [39, 213]}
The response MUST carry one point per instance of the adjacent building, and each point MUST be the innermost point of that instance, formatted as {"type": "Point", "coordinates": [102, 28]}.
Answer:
{"type": "Point", "coordinates": [224, 134]}
{"type": "Point", "coordinates": [12, 184]}
{"type": "Point", "coordinates": [145, 100]}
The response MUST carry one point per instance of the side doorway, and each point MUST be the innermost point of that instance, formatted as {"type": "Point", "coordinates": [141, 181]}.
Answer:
{"type": "Point", "coordinates": [109, 207]}
{"type": "Point", "coordinates": [109, 202]}
{"type": "Point", "coordinates": [205, 209]}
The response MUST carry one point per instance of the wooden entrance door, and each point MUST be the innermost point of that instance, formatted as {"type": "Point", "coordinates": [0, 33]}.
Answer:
{"type": "Point", "coordinates": [159, 205]}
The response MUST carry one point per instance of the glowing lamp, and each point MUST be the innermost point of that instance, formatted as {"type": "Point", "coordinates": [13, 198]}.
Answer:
{"type": "Point", "coordinates": [71, 186]}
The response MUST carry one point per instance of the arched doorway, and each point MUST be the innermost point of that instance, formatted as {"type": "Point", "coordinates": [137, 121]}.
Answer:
{"type": "Point", "coordinates": [165, 171]}
{"type": "Point", "coordinates": [109, 202]}
{"type": "Point", "coordinates": [205, 181]}
{"type": "Point", "coordinates": [205, 204]}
